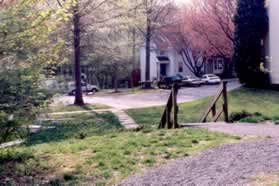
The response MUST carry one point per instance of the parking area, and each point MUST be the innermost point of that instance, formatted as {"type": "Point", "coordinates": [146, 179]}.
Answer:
{"type": "Point", "coordinates": [148, 99]}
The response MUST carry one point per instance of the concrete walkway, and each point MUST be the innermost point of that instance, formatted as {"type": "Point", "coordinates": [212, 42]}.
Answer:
{"type": "Point", "coordinates": [125, 120]}
{"type": "Point", "coordinates": [12, 143]}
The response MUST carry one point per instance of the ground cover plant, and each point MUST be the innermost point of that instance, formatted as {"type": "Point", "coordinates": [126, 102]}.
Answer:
{"type": "Point", "coordinates": [94, 148]}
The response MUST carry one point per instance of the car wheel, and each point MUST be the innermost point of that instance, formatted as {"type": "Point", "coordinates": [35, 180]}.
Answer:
{"type": "Point", "coordinates": [94, 90]}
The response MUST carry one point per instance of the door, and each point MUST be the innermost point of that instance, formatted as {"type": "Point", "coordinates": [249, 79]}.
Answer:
{"type": "Point", "coordinates": [163, 69]}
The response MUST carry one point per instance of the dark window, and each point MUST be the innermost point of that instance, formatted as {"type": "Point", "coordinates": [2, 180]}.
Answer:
{"type": "Point", "coordinates": [220, 63]}
{"type": "Point", "coordinates": [180, 67]}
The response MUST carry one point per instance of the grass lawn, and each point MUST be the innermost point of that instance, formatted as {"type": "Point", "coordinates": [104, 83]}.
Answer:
{"type": "Point", "coordinates": [72, 108]}
{"type": "Point", "coordinates": [94, 149]}
{"type": "Point", "coordinates": [250, 100]}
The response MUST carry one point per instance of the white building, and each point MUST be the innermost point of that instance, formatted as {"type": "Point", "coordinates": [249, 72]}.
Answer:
{"type": "Point", "coordinates": [165, 60]}
{"type": "Point", "coordinates": [273, 41]}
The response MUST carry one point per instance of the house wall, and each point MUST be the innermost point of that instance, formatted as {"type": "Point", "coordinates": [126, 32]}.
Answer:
{"type": "Point", "coordinates": [186, 71]}
{"type": "Point", "coordinates": [153, 64]}
{"type": "Point", "coordinates": [274, 40]}
{"type": "Point", "coordinates": [173, 67]}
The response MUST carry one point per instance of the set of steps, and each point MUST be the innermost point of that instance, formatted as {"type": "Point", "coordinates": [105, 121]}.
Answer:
{"type": "Point", "coordinates": [126, 121]}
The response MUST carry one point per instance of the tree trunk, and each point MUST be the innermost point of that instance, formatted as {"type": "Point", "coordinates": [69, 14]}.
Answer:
{"type": "Point", "coordinates": [115, 80]}
{"type": "Point", "coordinates": [133, 58]}
{"type": "Point", "coordinates": [78, 92]}
{"type": "Point", "coordinates": [147, 83]}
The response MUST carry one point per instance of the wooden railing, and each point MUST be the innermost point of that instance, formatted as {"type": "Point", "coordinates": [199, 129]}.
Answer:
{"type": "Point", "coordinates": [213, 104]}
{"type": "Point", "coordinates": [169, 118]}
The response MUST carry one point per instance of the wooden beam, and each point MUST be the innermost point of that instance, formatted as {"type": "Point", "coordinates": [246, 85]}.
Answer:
{"type": "Point", "coordinates": [175, 107]}
{"type": "Point", "coordinates": [225, 97]}
{"type": "Point", "coordinates": [164, 117]}
{"type": "Point", "coordinates": [219, 113]}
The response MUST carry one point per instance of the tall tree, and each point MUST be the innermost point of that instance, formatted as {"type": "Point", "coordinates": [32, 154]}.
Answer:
{"type": "Point", "coordinates": [251, 22]}
{"type": "Point", "coordinates": [211, 23]}
{"type": "Point", "coordinates": [92, 20]}
{"type": "Point", "coordinates": [156, 14]}
{"type": "Point", "coordinates": [77, 55]}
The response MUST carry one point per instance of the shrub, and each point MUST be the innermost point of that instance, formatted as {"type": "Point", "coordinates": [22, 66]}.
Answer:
{"type": "Point", "coordinates": [20, 100]}
{"type": "Point", "coordinates": [237, 116]}
{"type": "Point", "coordinates": [245, 116]}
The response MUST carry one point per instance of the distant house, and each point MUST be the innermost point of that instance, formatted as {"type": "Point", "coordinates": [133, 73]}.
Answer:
{"type": "Point", "coordinates": [220, 66]}
{"type": "Point", "coordinates": [165, 60]}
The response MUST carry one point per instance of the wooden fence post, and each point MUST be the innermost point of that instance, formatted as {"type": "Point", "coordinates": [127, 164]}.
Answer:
{"type": "Point", "coordinates": [175, 109]}
{"type": "Point", "coordinates": [169, 119]}
{"type": "Point", "coordinates": [225, 97]}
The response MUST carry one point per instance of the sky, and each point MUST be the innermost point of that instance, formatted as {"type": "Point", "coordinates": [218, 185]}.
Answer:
{"type": "Point", "coordinates": [182, 1]}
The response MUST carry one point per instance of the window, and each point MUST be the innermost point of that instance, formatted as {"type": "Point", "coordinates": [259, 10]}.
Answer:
{"type": "Point", "coordinates": [216, 65]}
{"type": "Point", "coordinates": [220, 63]}
{"type": "Point", "coordinates": [180, 67]}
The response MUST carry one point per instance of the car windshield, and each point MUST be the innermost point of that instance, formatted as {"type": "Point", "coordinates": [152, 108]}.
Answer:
{"type": "Point", "coordinates": [212, 76]}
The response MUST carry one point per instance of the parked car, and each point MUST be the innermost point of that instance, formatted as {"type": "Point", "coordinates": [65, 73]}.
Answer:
{"type": "Point", "coordinates": [85, 87]}
{"type": "Point", "coordinates": [167, 82]}
{"type": "Point", "coordinates": [211, 79]}
{"type": "Point", "coordinates": [189, 81]}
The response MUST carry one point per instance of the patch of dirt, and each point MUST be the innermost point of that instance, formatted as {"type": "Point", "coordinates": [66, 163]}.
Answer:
{"type": "Point", "coordinates": [265, 179]}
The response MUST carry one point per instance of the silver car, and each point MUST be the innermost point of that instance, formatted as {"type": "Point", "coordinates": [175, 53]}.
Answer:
{"type": "Point", "coordinates": [85, 87]}
{"type": "Point", "coordinates": [211, 79]}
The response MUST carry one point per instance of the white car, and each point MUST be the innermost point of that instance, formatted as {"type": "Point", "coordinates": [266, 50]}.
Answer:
{"type": "Point", "coordinates": [189, 81]}
{"type": "Point", "coordinates": [211, 79]}
{"type": "Point", "coordinates": [88, 88]}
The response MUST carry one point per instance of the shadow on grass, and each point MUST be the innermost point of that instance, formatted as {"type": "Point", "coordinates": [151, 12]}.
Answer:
{"type": "Point", "coordinates": [77, 127]}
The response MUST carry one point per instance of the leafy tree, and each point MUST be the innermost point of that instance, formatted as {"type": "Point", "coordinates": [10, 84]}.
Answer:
{"type": "Point", "coordinates": [20, 101]}
{"type": "Point", "coordinates": [154, 15]}
{"type": "Point", "coordinates": [251, 24]}
{"type": "Point", "coordinates": [27, 47]}
{"type": "Point", "coordinates": [209, 25]}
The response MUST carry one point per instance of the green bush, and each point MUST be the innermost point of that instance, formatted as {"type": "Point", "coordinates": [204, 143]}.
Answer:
{"type": "Point", "coordinates": [20, 100]}
{"type": "Point", "coordinates": [247, 117]}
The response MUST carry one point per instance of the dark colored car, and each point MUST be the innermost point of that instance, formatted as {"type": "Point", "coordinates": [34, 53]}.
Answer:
{"type": "Point", "coordinates": [167, 82]}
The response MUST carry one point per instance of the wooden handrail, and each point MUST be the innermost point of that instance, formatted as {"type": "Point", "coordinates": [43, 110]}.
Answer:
{"type": "Point", "coordinates": [171, 107]}
{"type": "Point", "coordinates": [212, 106]}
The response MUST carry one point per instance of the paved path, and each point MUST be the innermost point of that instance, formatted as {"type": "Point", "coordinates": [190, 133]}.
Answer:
{"type": "Point", "coordinates": [125, 120]}
{"type": "Point", "coordinates": [12, 143]}
{"type": "Point", "coordinates": [148, 99]}
{"type": "Point", "coordinates": [241, 129]}
{"type": "Point", "coordinates": [231, 164]}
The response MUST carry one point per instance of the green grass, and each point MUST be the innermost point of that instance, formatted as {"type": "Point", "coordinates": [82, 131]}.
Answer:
{"type": "Point", "coordinates": [72, 108]}
{"type": "Point", "coordinates": [93, 148]}
{"type": "Point", "coordinates": [250, 100]}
